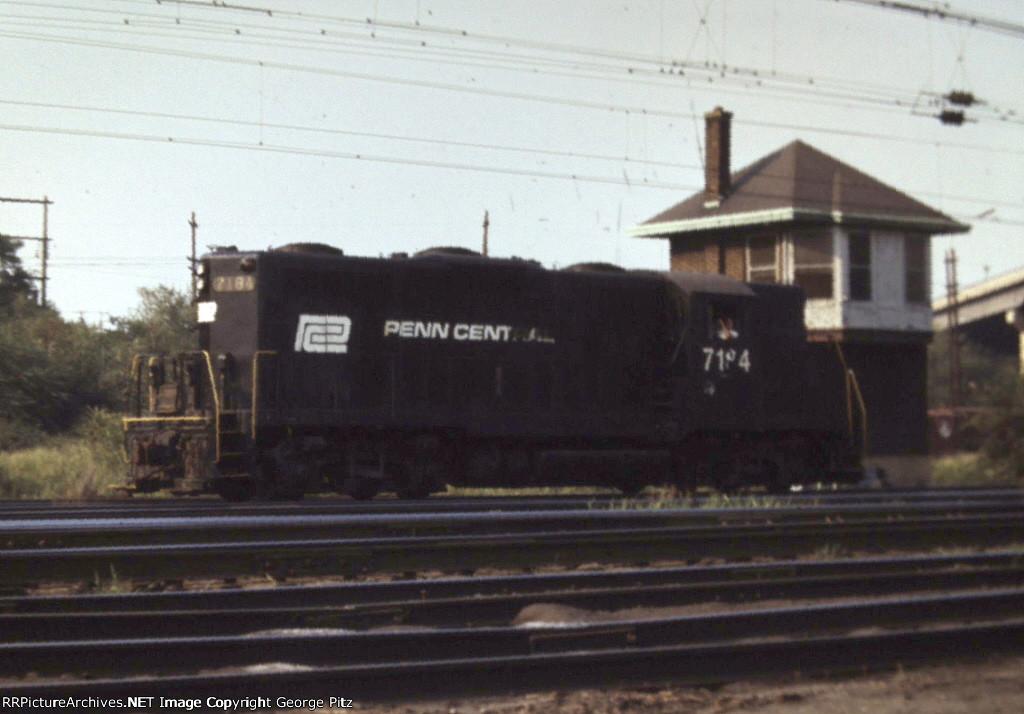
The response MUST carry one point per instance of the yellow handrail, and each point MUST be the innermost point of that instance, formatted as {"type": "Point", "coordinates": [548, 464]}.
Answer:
{"type": "Point", "coordinates": [216, 405]}
{"type": "Point", "coordinates": [255, 385]}
{"type": "Point", "coordinates": [137, 386]}
{"type": "Point", "coordinates": [137, 372]}
{"type": "Point", "coordinates": [149, 391]}
{"type": "Point", "coordinates": [852, 379]}
{"type": "Point", "coordinates": [853, 390]}
{"type": "Point", "coordinates": [846, 381]}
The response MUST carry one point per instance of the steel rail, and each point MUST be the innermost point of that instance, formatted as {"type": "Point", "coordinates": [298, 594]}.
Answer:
{"type": "Point", "coordinates": [80, 533]}
{"type": "Point", "coordinates": [473, 608]}
{"type": "Point", "coordinates": [700, 664]}
{"type": "Point", "coordinates": [349, 556]}
{"type": "Point", "coordinates": [376, 592]}
{"type": "Point", "coordinates": [320, 648]}
{"type": "Point", "coordinates": [201, 507]}
{"type": "Point", "coordinates": [205, 507]}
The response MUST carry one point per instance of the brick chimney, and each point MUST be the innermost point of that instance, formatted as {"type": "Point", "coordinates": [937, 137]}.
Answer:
{"type": "Point", "coordinates": [716, 162]}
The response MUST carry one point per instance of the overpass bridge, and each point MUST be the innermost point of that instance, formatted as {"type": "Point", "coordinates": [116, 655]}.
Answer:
{"type": "Point", "coordinates": [991, 314]}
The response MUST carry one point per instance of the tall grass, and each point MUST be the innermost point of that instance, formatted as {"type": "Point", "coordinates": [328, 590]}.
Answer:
{"type": "Point", "coordinates": [83, 465]}
{"type": "Point", "coordinates": [470, 491]}
{"type": "Point", "coordinates": [971, 470]}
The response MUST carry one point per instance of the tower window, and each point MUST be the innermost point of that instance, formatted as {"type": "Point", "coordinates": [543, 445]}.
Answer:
{"type": "Point", "coordinates": [915, 256]}
{"type": "Point", "coordinates": [813, 263]}
{"type": "Point", "coordinates": [860, 266]}
{"type": "Point", "coordinates": [762, 259]}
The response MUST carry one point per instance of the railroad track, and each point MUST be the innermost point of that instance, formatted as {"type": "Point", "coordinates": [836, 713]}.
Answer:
{"type": "Point", "coordinates": [980, 607]}
{"type": "Point", "coordinates": [373, 640]}
{"type": "Point", "coordinates": [104, 532]}
{"type": "Point", "coordinates": [487, 600]}
{"type": "Point", "coordinates": [202, 507]}
{"type": "Point", "coordinates": [154, 549]}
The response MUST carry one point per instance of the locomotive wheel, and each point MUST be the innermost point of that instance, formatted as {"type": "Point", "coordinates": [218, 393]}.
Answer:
{"type": "Point", "coordinates": [286, 495]}
{"type": "Point", "coordinates": [364, 489]}
{"type": "Point", "coordinates": [279, 478]}
{"type": "Point", "coordinates": [724, 476]}
{"type": "Point", "coordinates": [408, 481]}
{"type": "Point", "coordinates": [419, 468]}
{"type": "Point", "coordinates": [774, 483]}
{"type": "Point", "coordinates": [413, 491]}
{"type": "Point", "coordinates": [233, 489]}
{"type": "Point", "coordinates": [630, 486]}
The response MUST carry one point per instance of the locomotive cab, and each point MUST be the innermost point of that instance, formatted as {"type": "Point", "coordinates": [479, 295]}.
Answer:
{"type": "Point", "coordinates": [724, 363]}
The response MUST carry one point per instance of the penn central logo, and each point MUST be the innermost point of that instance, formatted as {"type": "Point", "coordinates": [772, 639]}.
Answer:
{"type": "Point", "coordinates": [323, 333]}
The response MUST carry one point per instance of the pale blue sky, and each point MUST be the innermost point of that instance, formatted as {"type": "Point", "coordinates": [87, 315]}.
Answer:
{"type": "Point", "coordinates": [393, 125]}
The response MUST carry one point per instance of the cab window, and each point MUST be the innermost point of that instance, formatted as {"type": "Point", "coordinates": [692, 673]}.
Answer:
{"type": "Point", "coordinates": [723, 322]}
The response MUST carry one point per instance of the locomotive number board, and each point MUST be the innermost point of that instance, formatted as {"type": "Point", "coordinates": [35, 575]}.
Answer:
{"type": "Point", "coordinates": [234, 283]}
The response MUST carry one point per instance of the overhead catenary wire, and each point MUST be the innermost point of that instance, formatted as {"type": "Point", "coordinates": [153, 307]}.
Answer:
{"type": "Point", "coordinates": [289, 30]}
{"type": "Point", "coordinates": [379, 158]}
{"type": "Point", "coordinates": [642, 66]}
{"type": "Point", "coordinates": [942, 11]}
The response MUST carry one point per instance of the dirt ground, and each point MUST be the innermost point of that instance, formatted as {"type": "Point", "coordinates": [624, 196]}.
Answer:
{"type": "Point", "coordinates": [994, 686]}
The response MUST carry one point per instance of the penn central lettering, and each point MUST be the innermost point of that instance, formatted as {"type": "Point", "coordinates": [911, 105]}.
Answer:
{"type": "Point", "coordinates": [463, 331]}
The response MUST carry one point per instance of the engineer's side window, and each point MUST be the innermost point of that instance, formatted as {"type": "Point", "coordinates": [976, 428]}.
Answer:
{"type": "Point", "coordinates": [723, 322]}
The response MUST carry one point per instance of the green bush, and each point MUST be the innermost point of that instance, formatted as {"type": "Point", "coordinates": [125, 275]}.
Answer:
{"type": "Point", "coordinates": [87, 465]}
{"type": "Point", "coordinates": [964, 470]}
{"type": "Point", "coordinates": [16, 434]}
{"type": "Point", "coordinates": [101, 426]}
{"type": "Point", "coordinates": [61, 382]}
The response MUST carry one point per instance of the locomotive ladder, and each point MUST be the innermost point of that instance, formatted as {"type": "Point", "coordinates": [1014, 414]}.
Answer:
{"type": "Point", "coordinates": [232, 438]}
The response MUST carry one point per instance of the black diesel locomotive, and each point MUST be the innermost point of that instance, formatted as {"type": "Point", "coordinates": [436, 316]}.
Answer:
{"type": "Point", "coordinates": [318, 371]}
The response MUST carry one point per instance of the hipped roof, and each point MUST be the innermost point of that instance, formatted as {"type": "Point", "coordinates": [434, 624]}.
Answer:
{"type": "Point", "coordinates": [799, 183]}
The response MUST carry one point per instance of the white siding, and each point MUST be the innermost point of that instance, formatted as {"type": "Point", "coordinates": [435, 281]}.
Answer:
{"type": "Point", "coordinates": [887, 309]}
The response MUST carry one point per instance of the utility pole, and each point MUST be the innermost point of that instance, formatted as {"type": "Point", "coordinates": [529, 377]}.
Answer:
{"type": "Point", "coordinates": [953, 321]}
{"type": "Point", "coordinates": [193, 261]}
{"type": "Point", "coordinates": [487, 223]}
{"type": "Point", "coordinates": [46, 249]}
{"type": "Point", "coordinates": [45, 240]}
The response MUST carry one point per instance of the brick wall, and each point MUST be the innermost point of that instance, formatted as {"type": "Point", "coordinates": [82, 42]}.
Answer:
{"type": "Point", "coordinates": [710, 255]}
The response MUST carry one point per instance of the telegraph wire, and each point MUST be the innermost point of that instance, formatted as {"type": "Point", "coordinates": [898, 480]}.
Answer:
{"type": "Point", "coordinates": [301, 151]}
{"type": "Point", "coordinates": [288, 66]}
{"type": "Point", "coordinates": [629, 161]}
{"type": "Point", "coordinates": [522, 96]}
{"type": "Point", "coordinates": [781, 82]}
{"type": "Point", "coordinates": [384, 159]}
{"type": "Point", "coordinates": [942, 12]}
{"type": "Point", "coordinates": [661, 76]}
{"type": "Point", "coordinates": [345, 132]}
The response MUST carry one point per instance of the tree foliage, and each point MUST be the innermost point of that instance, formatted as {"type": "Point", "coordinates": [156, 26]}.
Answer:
{"type": "Point", "coordinates": [1004, 433]}
{"type": "Point", "coordinates": [53, 371]}
{"type": "Point", "coordinates": [15, 283]}
{"type": "Point", "coordinates": [986, 379]}
{"type": "Point", "coordinates": [164, 322]}
{"type": "Point", "coordinates": [993, 383]}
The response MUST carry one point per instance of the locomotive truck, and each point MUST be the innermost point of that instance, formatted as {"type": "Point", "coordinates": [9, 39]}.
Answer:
{"type": "Point", "coordinates": [318, 371]}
